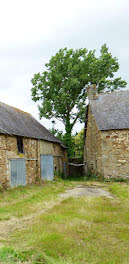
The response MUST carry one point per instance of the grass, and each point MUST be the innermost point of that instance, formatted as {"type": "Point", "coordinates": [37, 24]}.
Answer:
{"type": "Point", "coordinates": [84, 230]}
{"type": "Point", "coordinates": [22, 201]}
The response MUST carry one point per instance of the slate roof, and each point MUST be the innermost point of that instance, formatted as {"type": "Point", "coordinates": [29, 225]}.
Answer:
{"type": "Point", "coordinates": [111, 110]}
{"type": "Point", "coordinates": [16, 122]}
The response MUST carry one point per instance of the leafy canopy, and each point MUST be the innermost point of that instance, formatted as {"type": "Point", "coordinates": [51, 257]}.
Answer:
{"type": "Point", "coordinates": [61, 89]}
{"type": "Point", "coordinates": [77, 141]}
{"type": "Point", "coordinates": [79, 144]}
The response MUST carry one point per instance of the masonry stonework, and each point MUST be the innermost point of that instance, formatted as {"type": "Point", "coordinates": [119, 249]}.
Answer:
{"type": "Point", "coordinates": [8, 151]}
{"type": "Point", "coordinates": [106, 153]}
{"type": "Point", "coordinates": [93, 147]}
{"type": "Point", "coordinates": [22, 142]}
{"type": "Point", "coordinates": [60, 158]}
{"type": "Point", "coordinates": [115, 159]}
{"type": "Point", "coordinates": [32, 150]}
{"type": "Point", "coordinates": [3, 160]}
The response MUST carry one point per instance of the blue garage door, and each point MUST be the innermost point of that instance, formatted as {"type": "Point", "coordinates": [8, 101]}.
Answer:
{"type": "Point", "coordinates": [18, 172]}
{"type": "Point", "coordinates": [47, 167]}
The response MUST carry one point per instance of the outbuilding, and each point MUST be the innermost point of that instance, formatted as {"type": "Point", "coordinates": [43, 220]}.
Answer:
{"type": "Point", "coordinates": [28, 151]}
{"type": "Point", "coordinates": [106, 151]}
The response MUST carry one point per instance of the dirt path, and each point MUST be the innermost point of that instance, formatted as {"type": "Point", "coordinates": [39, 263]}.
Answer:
{"type": "Point", "coordinates": [8, 226]}
{"type": "Point", "coordinates": [81, 190]}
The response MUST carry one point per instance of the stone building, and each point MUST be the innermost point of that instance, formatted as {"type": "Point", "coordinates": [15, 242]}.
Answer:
{"type": "Point", "coordinates": [28, 151]}
{"type": "Point", "coordinates": [106, 151]}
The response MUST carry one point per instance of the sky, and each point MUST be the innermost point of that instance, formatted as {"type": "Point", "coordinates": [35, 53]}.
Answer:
{"type": "Point", "coordinates": [32, 31]}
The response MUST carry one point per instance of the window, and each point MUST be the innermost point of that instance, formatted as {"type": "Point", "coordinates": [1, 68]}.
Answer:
{"type": "Point", "coordinates": [20, 144]}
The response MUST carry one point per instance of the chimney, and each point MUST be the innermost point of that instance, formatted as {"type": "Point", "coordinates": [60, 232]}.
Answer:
{"type": "Point", "coordinates": [92, 92]}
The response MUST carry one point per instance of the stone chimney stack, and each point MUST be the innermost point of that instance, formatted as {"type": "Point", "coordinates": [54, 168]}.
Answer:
{"type": "Point", "coordinates": [92, 92]}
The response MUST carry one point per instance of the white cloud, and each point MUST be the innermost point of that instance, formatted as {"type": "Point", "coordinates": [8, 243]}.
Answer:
{"type": "Point", "coordinates": [32, 31]}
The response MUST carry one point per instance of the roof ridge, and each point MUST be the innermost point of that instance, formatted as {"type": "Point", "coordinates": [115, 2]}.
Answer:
{"type": "Point", "coordinates": [15, 108]}
{"type": "Point", "coordinates": [113, 92]}
{"type": "Point", "coordinates": [14, 121]}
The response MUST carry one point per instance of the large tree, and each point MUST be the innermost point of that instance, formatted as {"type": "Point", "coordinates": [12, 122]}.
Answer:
{"type": "Point", "coordinates": [61, 89]}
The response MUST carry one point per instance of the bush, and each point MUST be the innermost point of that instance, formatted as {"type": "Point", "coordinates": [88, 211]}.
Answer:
{"type": "Point", "coordinates": [116, 180]}
{"type": "Point", "coordinates": [91, 176]}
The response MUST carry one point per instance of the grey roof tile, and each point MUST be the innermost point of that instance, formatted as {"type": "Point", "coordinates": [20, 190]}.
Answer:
{"type": "Point", "coordinates": [16, 122]}
{"type": "Point", "coordinates": [111, 110]}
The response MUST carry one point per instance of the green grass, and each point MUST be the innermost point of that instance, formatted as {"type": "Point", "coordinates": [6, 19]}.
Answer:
{"type": "Point", "coordinates": [22, 201]}
{"type": "Point", "coordinates": [84, 230]}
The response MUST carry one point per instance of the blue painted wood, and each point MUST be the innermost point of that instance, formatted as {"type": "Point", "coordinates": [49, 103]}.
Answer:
{"type": "Point", "coordinates": [18, 172]}
{"type": "Point", "coordinates": [47, 167]}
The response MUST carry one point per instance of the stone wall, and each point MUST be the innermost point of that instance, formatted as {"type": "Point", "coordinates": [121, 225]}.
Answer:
{"type": "Point", "coordinates": [93, 147]}
{"type": "Point", "coordinates": [115, 148]}
{"type": "Point", "coordinates": [3, 160]}
{"type": "Point", "coordinates": [32, 156]}
{"type": "Point", "coordinates": [33, 148]}
{"type": "Point", "coordinates": [106, 153]}
{"type": "Point", "coordinates": [60, 157]}
{"type": "Point", "coordinates": [9, 151]}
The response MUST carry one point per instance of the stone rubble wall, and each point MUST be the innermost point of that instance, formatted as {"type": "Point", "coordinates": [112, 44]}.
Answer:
{"type": "Point", "coordinates": [93, 147]}
{"type": "Point", "coordinates": [115, 148]}
{"type": "Point", "coordinates": [106, 153]}
{"type": "Point", "coordinates": [3, 160]}
{"type": "Point", "coordinates": [33, 148]}
{"type": "Point", "coordinates": [59, 157]}
{"type": "Point", "coordinates": [8, 151]}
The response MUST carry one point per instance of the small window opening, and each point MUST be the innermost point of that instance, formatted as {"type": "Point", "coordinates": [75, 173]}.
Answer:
{"type": "Point", "coordinates": [20, 144]}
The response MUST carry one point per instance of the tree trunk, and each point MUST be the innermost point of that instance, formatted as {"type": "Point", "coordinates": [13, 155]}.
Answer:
{"type": "Point", "coordinates": [68, 137]}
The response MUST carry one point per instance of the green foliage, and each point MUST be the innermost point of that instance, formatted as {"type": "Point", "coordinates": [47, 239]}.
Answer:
{"type": "Point", "coordinates": [61, 89]}
{"type": "Point", "coordinates": [91, 177]}
{"type": "Point", "coordinates": [67, 139]}
{"type": "Point", "coordinates": [79, 144]}
{"type": "Point", "coordinates": [58, 134]}
{"type": "Point", "coordinates": [116, 180]}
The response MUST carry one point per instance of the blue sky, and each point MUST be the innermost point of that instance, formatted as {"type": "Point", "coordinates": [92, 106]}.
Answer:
{"type": "Point", "coordinates": [33, 31]}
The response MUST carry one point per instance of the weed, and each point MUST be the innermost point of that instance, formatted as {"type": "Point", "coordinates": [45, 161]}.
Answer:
{"type": "Point", "coordinates": [116, 180]}
{"type": "Point", "coordinates": [91, 176]}
{"type": "Point", "coordinates": [10, 255]}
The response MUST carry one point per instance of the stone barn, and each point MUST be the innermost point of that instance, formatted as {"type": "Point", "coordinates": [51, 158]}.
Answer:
{"type": "Point", "coordinates": [106, 151]}
{"type": "Point", "coordinates": [28, 151]}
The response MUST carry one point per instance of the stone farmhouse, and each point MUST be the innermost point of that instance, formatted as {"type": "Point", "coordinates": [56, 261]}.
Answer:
{"type": "Point", "coordinates": [28, 151]}
{"type": "Point", "coordinates": [106, 151]}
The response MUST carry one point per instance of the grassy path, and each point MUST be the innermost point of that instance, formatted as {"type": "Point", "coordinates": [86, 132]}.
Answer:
{"type": "Point", "coordinates": [40, 225]}
{"type": "Point", "coordinates": [9, 225]}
